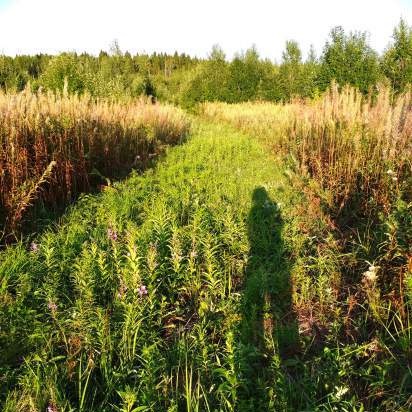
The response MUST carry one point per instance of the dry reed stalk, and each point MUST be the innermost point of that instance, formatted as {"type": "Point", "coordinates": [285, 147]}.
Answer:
{"type": "Point", "coordinates": [357, 149]}
{"type": "Point", "coordinates": [23, 200]}
{"type": "Point", "coordinates": [80, 135]}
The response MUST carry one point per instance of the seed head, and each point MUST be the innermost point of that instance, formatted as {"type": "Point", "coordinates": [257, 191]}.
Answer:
{"type": "Point", "coordinates": [371, 275]}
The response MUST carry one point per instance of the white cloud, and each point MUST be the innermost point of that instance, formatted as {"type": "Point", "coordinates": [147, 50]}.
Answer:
{"type": "Point", "coordinates": [191, 26]}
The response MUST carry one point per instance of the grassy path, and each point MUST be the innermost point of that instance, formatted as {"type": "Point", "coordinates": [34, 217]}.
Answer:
{"type": "Point", "coordinates": [167, 292]}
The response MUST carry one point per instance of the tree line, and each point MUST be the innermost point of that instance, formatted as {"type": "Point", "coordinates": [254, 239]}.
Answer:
{"type": "Point", "coordinates": [346, 58]}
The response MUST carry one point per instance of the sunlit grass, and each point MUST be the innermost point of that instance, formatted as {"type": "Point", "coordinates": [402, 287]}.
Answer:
{"type": "Point", "coordinates": [358, 150]}
{"type": "Point", "coordinates": [215, 281]}
{"type": "Point", "coordinates": [136, 300]}
{"type": "Point", "coordinates": [54, 147]}
{"type": "Point", "coordinates": [351, 156]}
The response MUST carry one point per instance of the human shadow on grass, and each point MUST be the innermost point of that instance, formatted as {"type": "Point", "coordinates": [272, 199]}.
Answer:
{"type": "Point", "coordinates": [268, 335]}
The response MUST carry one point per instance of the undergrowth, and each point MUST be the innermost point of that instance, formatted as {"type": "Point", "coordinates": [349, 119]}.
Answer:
{"type": "Point", "coordinates": [210, 283]}
{"type": "Point", "coordinates": [352, 158]}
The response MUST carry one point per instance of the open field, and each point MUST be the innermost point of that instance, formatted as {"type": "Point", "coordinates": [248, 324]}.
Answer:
{"type": "Point", "coordinates": [54, 147]}
{"type": "Point", "coordinates": [264, 264]}
{"type": "Point", "coordinates": [195, 229]}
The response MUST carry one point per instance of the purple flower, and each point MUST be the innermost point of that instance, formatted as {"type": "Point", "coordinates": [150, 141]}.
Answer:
{"type": "Point", "coordinates": [111, 234]}
{"type": "Point", "coordinates": [142, 291]}
{"type": "Point", "coordinates": [34, 247]}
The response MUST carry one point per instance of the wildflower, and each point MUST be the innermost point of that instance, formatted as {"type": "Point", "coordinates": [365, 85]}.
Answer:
{"type": "Point", "coordinates": [51, 408]}
{"type": "Point", "coordinates": [371, 275]}
{"type": "Point", "coordinates": [52, 306]}
{"type": "Point", "coordinates": [34, 247]}
{"type": "Point", "coordinates": [142, 291]}
{"type": "Point", "coordinates": [392, 174]}
{"type": "Point", "coordinates": [111, 234]}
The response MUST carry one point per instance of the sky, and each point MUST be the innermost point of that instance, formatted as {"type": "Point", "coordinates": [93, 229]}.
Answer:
{"type": "Point", "coordinates": [191, 26]}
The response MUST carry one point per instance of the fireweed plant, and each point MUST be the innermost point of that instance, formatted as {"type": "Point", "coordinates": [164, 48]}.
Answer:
{"type": "Point", "coordinates": [214, 282]}
{"type": "Point", "coordinates": [352, 157]}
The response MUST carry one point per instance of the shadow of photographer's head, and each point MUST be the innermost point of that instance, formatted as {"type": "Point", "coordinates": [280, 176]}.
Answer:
{"type": "Point", "coordinates": [260, 196]}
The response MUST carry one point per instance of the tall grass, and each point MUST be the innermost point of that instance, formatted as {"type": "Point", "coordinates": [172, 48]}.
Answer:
{"type": "Point", "coordinates": [358, 150]}
{"type": "Point", "coordinates": [182, 289]}
{"type": "Point", "coordinates": [352, 157]}
{"type": "Point", "coordinates": [135, 302]}
{"type": "Point", "coordinates": [53, 146]}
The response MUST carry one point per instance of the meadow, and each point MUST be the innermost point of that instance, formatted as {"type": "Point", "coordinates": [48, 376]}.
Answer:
{"type": "Point", "coordinates": [55, 146]}
{"type": "Point", "coordinates": [351, 156]}
{"type": "Point", "coordinates": [245, 257]}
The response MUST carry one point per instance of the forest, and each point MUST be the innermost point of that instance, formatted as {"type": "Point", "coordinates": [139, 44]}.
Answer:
{"type": "Point", "coordinates": [346, 58]}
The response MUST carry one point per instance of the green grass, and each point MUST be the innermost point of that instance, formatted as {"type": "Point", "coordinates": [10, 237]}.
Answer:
{"type": "Point", "coordinates": [214, 235]}
{"type": "Point", "coordinates": [77, 334]}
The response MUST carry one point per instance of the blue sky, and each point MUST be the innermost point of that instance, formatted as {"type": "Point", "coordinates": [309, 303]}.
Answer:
{"type": "Point", "coordinates": [191, 26]}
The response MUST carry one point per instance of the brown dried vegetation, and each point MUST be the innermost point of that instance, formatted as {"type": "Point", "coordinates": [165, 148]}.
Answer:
{"type": "Point", "coordinates": [51, 144]}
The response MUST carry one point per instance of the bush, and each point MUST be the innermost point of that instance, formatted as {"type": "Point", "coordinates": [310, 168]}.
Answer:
{"type": "Point", "coordinates": [61, 70]}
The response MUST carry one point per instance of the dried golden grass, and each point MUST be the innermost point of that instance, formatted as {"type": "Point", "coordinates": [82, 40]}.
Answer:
{"type": "Point", "coordinates": [357, 149]}
{"type": "Point", "coordinates": [79, 134]}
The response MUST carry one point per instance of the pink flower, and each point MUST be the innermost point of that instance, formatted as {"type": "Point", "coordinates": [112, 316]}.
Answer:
{"type": "Point", "coordinates": [52, 307]}
{"type": "Point", "coordinates": [142, 291]}
{"type": "Point", "coordinates": [34, 247]}
{"type": "Point", "coordinates": [111, 234]}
